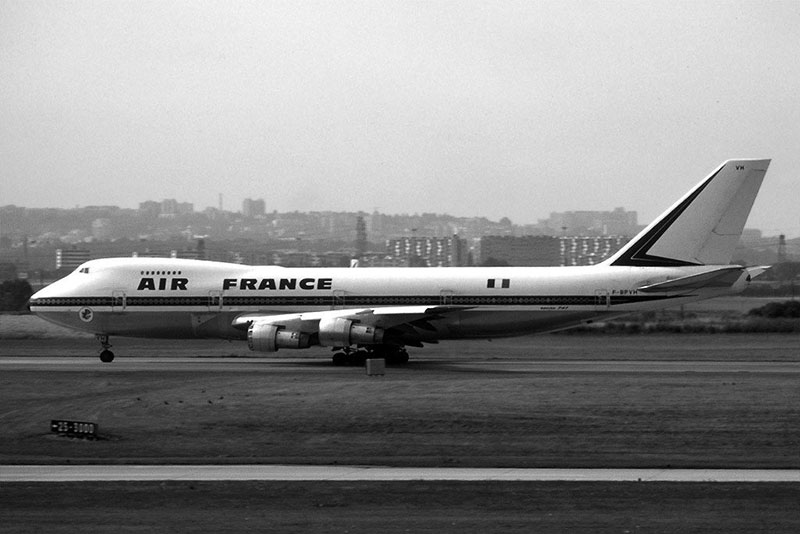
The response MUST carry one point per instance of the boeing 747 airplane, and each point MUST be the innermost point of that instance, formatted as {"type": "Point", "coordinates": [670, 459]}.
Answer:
{"type": "Point", "coordinates": [683, 256]}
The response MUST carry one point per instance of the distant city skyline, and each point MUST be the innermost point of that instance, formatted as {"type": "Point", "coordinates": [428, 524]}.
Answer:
{"type": "Point", "coordinates": [620, 217]}
{"type": "Point", "coordinates": [617, 221]}
{"type": "Point", "coordinates": [239, 208]}
{"type": "Point", "coordinates": [33, 236]}
{"type": "Point", "coordinates": [492, 109]}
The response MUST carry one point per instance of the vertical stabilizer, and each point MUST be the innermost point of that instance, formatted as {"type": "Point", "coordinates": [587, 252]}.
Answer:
{"type": "Point", "coordinates": [704, 226]}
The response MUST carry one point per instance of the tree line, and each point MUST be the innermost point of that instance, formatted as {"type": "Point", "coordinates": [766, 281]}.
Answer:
{"type": "Point", "coordinates": [14, 295]}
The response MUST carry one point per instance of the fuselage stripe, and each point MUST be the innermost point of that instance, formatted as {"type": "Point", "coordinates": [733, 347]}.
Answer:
{"type": "Point", "coordinates": [349, 301]}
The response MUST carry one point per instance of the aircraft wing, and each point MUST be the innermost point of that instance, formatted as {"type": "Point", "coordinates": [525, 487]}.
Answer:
{"type": "Point", "coordinates": [383, 317]}
{"type": "Point", "coordinates": [399, 325]}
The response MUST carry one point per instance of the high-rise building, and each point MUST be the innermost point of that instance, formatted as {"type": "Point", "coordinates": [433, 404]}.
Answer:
{"type": "Point", "coordinates": [427, 251]}
{"type": "Point", "coordinates": [361, 237]}
{"type": "Point", "coordinates": [543, 251]}
{"type": "Point", "coordinates": [150, 208]}
{"type": "Point", "coordinates": [171, 208]}
{"type": "Point", "coordinates": [253, 208]}
{"type": "Point", "coordinates": [589, 250]}
{"type": "Point", "coordinates": [528, 251]}
{"type": "Point", "coordinates": [594, 223]}
{"type": "Point", "coordinates": [70, 259]}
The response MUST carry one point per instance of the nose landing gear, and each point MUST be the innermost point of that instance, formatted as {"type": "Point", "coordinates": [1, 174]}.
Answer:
{"type": "Point", "coordinates": [106, 356]}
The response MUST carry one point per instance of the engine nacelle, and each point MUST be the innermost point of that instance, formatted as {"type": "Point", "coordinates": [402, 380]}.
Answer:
{"type": "Point", "coordinates": [265, 337]}
{"type": "Point", "coordinates": [341, 332]}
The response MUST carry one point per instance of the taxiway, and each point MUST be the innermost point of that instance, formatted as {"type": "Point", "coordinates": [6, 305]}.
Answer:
{"type": "Point", "coordinates": [306, 473]}
{"type": "Point", "coordinates": [199, 365]}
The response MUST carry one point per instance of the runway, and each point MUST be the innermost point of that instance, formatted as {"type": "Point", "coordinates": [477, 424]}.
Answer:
{"type": "Point", "coordinates": [277, 365]}
{"type": "Point", "coordinates": [616, 402]}
{"type": "Point", "coordinates": [132, 473]}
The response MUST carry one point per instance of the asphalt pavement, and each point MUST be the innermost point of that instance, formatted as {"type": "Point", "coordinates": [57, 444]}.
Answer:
{"type": "Point", "coordinates": [107, 473]}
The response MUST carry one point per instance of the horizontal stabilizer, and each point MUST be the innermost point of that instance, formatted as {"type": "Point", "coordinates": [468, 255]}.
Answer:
{"type": "Point", "coordinates": [725, 277]}
{"type": "Point", "coordinates": [758, 271]}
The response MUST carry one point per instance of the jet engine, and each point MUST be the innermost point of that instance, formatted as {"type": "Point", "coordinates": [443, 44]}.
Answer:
{"type": "Point", "coordinates": [341, 332]}
{"type": "Point", "coordinates": [266, 337]}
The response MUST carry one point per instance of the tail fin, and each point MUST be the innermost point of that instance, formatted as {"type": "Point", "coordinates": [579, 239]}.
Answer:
{"type": "Point", "coordinates": [704, 226]}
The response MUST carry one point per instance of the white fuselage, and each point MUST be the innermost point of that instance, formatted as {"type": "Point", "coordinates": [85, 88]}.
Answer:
{"type": "Point", "coordinates": [189, 298]}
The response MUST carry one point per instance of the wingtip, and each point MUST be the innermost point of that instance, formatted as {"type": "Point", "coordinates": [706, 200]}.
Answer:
{"type": "Point", "coordinates": [754, 272]}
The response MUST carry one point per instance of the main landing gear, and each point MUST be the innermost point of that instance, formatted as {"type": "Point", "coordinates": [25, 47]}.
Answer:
{"type": "Point", "coordinates": [394, 355]}
{"type": "Point", "coordinates": [106, 356]}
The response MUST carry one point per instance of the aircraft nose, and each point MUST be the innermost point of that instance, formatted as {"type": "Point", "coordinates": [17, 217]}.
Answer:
{"type": "Point", "coordinates": [39, 294]}
{"type": "Point", "coordinates": [55, 289]}
{"type": "Point", "coordinates": [45, 292]}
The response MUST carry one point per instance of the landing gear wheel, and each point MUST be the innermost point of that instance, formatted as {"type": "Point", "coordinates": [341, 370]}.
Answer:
{"type": "Point", "coordinates": [340, 359]}
{"type": "Point", "coordinates": [393, 354]}
{"type": "Point", "coordinates": [350, 357]}
{"type": "Point", "coordinates": [357, 358]}
{"type": "Point", "coordinates": [106, 356]}
{"type": "Point", "coordinates": [347, 356]}
{"type": "Point", "coordinates": [398, 358]}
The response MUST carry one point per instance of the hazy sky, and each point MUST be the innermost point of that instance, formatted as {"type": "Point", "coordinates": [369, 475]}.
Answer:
{"type": "Point", "coordinates": [493, 108]}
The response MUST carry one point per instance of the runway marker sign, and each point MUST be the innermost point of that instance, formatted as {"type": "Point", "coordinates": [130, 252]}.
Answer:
{"type": "Point", "coordinates": [80, 429]}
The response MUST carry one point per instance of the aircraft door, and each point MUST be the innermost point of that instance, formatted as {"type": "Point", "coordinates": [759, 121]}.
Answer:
{"type": "Point", "coordinates": [338, 299]}
{"type": "Point", "coordinates": [602, 300]}
{"type": "Point", "coordinates": [215, 301]}
{"type": "Point", "coordinates": [446, 297]}
{"type": "Point", "coordinates": [118, 301]}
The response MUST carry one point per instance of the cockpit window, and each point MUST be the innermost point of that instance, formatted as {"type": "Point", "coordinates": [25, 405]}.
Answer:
{"type": "Point", "coordinates": [84, 270]}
